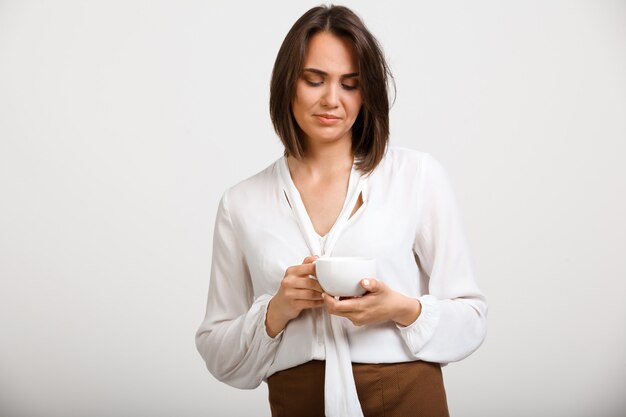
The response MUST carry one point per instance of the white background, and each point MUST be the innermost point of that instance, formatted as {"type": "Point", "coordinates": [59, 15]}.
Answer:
{"type": "Point", "coordinates": [122, 122]}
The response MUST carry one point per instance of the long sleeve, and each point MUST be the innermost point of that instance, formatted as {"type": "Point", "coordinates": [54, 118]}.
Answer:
{"type": "Point", "coordinates": [232, 339]}
{"type": "Point", "coordinates": [452, 323]}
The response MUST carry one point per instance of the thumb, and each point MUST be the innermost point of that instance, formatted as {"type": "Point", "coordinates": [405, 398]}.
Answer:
{"type": "Point", "coordinates": [370, 284]}
{"type": "Point", "coordinates": [310, 259]}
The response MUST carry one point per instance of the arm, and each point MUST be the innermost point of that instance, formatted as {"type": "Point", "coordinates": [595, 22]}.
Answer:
{"type": "Point", "coordinates": [232, 339]}
{"type": "Point", "coordinates": [452, 322]}
{"type": "Point", "coordinates": [449, 322]}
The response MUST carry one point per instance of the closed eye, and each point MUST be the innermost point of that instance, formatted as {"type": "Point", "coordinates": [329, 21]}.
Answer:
{"type": "Point", "coordinates": [313, 83]}
{"type": "Point", "coordinates": [315, 73]}
{"type": "Point", "coordinates": [346, 87]}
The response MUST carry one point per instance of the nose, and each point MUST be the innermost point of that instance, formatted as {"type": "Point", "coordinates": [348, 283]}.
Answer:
{"type": "Point", "coordinates": [330, 98]}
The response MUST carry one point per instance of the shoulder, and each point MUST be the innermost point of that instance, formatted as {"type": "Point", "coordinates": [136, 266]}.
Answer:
{"type": "Point", "coordinates": [252, 188]}
{"type": "Point", "coordinates": [403, 162]}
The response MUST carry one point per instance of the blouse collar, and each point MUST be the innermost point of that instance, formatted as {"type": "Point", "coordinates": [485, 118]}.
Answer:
{"type": "Point", "coordinates": [318, 245]}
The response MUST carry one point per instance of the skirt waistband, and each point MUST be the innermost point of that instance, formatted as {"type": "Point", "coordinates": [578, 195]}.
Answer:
{"type": "Point", "coordinates": [389, 389]}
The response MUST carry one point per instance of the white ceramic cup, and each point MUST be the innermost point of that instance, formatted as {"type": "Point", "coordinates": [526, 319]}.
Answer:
{"type": "Point", "coordinates": [341, 275]}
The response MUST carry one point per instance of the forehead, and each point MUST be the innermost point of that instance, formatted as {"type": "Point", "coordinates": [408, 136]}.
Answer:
{"type": "Point", "coordinates": [331, 54]}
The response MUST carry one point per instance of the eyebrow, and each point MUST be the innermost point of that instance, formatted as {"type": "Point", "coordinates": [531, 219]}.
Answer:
{"type": "Point", "coordinates": [320, 72]}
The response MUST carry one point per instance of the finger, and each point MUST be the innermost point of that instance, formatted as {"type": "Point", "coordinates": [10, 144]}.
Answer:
{"type": "Point", "coordinates": [308, 295]}
{"type": "Point", "coordinates": [306, 283]}
{"type": "Point", "coordinates": [341, 307]}
{"type": "Point", "coordinates": [347, 314]}
{"type": "Point", "coordinates": [315, 285]}
{"type": "Point", "coordinates": [303, 304]}
{"type": "Point", "coordinates": [294, 282]}
{"type": "Point", "coordinates": [358, 317]}
{"type": "Point", "coordinates": [330, 302]}
{"type": "Point", "coordinates": [303, 269]}
{"type": "Point", "coordinates": [371, 284]}
{"type": "Point", "coordinates": [310, 259]}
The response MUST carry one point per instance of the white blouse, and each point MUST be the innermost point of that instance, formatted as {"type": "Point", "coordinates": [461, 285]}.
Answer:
{"type": "Point", "coordinates": [408, 222]}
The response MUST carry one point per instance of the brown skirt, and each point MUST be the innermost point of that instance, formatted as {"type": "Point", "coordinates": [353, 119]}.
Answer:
{"type": "Point", "coordinates": [390, 389]}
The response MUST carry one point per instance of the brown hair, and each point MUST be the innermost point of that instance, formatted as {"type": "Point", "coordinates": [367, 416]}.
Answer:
{"type": "Point", "coordinates": [370, 132]}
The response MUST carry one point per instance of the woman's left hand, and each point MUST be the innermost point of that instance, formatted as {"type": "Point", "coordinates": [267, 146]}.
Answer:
{"type": "Point", "coordinates": [380, 303]}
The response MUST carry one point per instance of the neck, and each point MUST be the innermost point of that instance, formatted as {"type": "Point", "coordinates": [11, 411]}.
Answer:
{"type": "Point", "coordinates": [324, 160]}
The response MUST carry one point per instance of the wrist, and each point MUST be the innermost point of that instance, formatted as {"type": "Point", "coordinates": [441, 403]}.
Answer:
{"type": "Point", "coordinates": [409, 311]}
{"type": "Point", "coordinates": [273, 323]}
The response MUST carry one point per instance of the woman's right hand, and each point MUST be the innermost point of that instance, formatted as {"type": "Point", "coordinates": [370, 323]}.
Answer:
{"type": "Point", "coordinates": [297, 292]}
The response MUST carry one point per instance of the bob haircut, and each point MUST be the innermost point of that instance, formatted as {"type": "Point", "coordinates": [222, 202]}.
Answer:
{"type": "Point", "coordinates": [370, 131]}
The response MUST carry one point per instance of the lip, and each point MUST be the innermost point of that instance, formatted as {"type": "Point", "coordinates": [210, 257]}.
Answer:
{"type": "Point", "coordinates": [327, 119]}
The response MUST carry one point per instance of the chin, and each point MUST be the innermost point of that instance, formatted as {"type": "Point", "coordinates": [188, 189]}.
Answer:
{"type": "Point", "coordinates": [326, 140]}
{"type": "Point", "coordinates": [326, 137]}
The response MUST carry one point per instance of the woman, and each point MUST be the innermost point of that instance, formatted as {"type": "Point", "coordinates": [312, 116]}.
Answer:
{"type": "Point", "coordinates": [339, 190]}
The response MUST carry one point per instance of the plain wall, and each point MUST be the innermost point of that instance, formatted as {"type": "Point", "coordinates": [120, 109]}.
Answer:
{"type": "Point", "coordinates": [122, 123]}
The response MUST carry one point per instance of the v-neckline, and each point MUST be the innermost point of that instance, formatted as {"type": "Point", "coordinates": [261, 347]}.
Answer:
{"type": "Point", "coordinates": [339, 378]}
{"type": "Point", "coordinates": [316, 242]}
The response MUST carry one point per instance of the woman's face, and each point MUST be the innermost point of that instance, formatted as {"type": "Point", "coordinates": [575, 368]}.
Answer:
{"type": "Point", "coordinates": [328, 98]}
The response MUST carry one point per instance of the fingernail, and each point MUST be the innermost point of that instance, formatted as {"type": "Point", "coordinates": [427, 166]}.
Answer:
{"type": "Point", "coordinates": [366, 282]}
